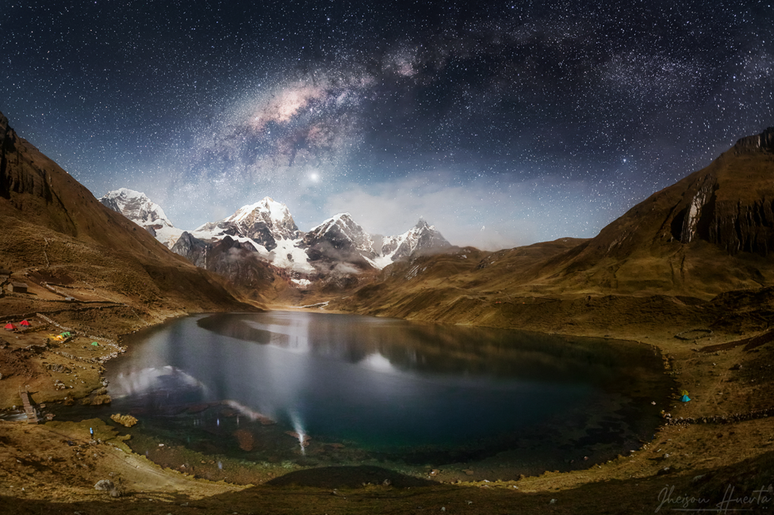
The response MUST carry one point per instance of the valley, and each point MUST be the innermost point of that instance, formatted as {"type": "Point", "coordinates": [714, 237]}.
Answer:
{"type": "Point", "coordinates": [686, 272]}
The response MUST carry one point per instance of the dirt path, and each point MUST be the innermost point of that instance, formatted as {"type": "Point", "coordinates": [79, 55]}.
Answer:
{"type": "Point", "coordinates": [62, 460]}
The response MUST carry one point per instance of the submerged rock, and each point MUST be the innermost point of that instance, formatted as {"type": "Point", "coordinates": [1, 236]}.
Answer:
{"type": "Point", "coordinates": [124, 420]}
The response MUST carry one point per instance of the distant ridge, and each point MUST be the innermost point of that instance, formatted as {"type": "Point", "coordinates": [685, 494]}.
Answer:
{"type": "Point", "coordinates": [705, 236]}
{"type": "Point", "coordinates": [265, 232]}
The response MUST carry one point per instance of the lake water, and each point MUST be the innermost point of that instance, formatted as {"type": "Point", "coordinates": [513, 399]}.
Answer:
{"type": "Point", "coordinates": [340, 389]}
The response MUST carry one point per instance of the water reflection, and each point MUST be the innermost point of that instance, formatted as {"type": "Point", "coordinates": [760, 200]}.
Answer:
{"type": "Point", "coordinates": [386, 386]}
{"type": "Point", "coordinates": [433, 348]}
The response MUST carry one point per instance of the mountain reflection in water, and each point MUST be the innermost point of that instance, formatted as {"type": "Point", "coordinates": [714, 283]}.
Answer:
{"type": "Point", "coordinates": [390, 387]}
{"type": "Point", "coordinates": [430, 348]}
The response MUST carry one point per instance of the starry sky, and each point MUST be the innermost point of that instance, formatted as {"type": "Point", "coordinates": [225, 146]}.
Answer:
{"type": "Point", "coordinates": [501, 123]}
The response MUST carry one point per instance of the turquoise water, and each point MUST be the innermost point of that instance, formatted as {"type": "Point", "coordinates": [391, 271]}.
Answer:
{"type": "Point", "coordinates": [384, 389]}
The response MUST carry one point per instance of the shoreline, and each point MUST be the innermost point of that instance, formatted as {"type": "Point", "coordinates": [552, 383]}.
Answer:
{"type": "Point", "coordinates": [503, 463]}
{"type": "Point", "coordinates": [745, 439]}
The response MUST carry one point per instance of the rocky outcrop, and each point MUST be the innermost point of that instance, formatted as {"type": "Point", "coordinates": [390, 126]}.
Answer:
{"type": "Point", "coordinates": [239, 262]}
{"type": "Point", "coordinates": [742, 226]}
{"type": "Point", "coordinates": [124, 420]}
{"type": "Point", "coordinates": [228, 257]}
{"type": "Point", "coordinates": [260, 232]}
{"type": "Point", "coordinates": [692, 215]}
{"type": "Point", "coordinates": [733, 225]}
{"type": "Point", "coordinates": [732, 204]}
{"type": "Point", "coordinates": [22, 175]}
{"type": "Point", "coordinates": [760, 142]}
{"type": "Point", "coordinates": [339, 239]}
{"type": "Point", "coordinates": [192, 248]}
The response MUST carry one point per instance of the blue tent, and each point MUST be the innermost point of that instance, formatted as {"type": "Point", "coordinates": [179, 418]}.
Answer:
{"type": "Point", "coordinates": [685, 398]}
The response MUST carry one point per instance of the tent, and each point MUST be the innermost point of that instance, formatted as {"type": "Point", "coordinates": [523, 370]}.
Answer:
{"type": "Point", "coordinates": [24, 323]}
{"type": "Point", "coordinates": [10, 327]}
{"type": "Point", "coordinates": [95, 344]}
{"type": "Point", "coordinates": [685, 397]}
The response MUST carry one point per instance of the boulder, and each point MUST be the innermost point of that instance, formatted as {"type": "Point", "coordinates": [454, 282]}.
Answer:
{"type": "Point", "coordinates": [124, 420]}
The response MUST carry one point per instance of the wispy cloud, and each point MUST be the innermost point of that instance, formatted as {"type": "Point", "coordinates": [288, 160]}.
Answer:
{"type": "Point", "coordinates": [470, 214]}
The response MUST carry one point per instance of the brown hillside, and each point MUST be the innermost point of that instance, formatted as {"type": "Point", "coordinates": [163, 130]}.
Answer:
{"type": "Point", "coordinates": [649, 276]}
{"type": "Point", "coordinates": [673, 253]}
{"type": "Point", "coordinates": [706, 234]}
{"type": "Point", "coordinates": [56, 232]}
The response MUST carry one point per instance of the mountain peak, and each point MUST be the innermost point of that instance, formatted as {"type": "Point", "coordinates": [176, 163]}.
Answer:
{"type": "Point", "coordinates": [269, 211]}
{"type": "Point", "coordinates": [421, 238]}
{"type": "Point", "coordinates": [345, 218]}
{"type": "Point", "coordinates": [342, 227]}
{"type": "Point", "coordinates": [266, 222]}
{"type": "Point", "coordinates": [763, 141]}
{"type": "Point", "coordinates": [137, 207]}
{"type": "Point", "coordinates": [268, 228]}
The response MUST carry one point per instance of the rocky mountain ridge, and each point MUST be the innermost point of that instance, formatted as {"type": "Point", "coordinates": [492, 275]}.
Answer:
{"type": "Point", "coordinates": [141, 210]}
{"type": "Point", "coordinates": [686, 246]}
{"type": "Point", "coordinates": [335, 249]}
{"type": "Point", "coordinates": [57, 232]}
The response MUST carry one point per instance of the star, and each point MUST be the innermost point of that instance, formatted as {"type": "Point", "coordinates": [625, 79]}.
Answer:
{"type": "Point", "coordinates": [485, 106]}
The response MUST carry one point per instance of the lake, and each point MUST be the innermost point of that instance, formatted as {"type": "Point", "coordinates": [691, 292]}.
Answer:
{"type": "Point", "coordinates": [321, 389]}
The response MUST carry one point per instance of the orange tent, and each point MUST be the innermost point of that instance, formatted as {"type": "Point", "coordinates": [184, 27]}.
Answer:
{"type": "Point", "coordinates": [24, 323]}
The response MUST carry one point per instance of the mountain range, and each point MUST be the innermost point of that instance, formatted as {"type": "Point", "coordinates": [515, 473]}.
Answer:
{"type": "Point", "coordinates": [687, 250]}
{"type": "Point", "coordinates": [335, 251]}
{"type": "Point", "coordinates": [687, 271]}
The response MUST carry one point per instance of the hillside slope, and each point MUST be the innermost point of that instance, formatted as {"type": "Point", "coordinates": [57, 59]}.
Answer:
{"type": "Point", "coordinates": [710, 232]}
{"type": "Point", "coordinates": [671, 256]}
{"type": "Point", "coordinates": [57, 236]}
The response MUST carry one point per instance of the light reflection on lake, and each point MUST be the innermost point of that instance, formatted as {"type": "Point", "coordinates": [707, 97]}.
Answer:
{"type": "Point", "coordinates": [390, 387]}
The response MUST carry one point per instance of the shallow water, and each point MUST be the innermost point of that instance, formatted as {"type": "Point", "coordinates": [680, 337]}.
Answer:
{"type": "Point", "coordinates": [340, 389]}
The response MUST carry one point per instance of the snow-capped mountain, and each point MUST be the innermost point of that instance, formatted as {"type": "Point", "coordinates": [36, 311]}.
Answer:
{"type": "Point", "coordinates": [266, 232]}
{"type": "Point", "coordinates": [339, 237]}
{"type": "Point", "coordinates": [342, 238]}
{"type": "Point", "coordinates": [138, 208]}
{"type": "Point", "coordinates": [264, 222]}
{"type": "Point", "coordinates": [269, 227]}
{"type": "Point", "coordinates": [420, 238]}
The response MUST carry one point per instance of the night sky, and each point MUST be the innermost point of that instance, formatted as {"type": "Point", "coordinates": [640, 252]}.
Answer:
{"type": "Point", "coordinates": [501, 123]}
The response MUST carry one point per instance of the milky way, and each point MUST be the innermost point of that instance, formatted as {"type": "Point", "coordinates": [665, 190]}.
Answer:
{"type": "Point", "coordinates": [502, 123]}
